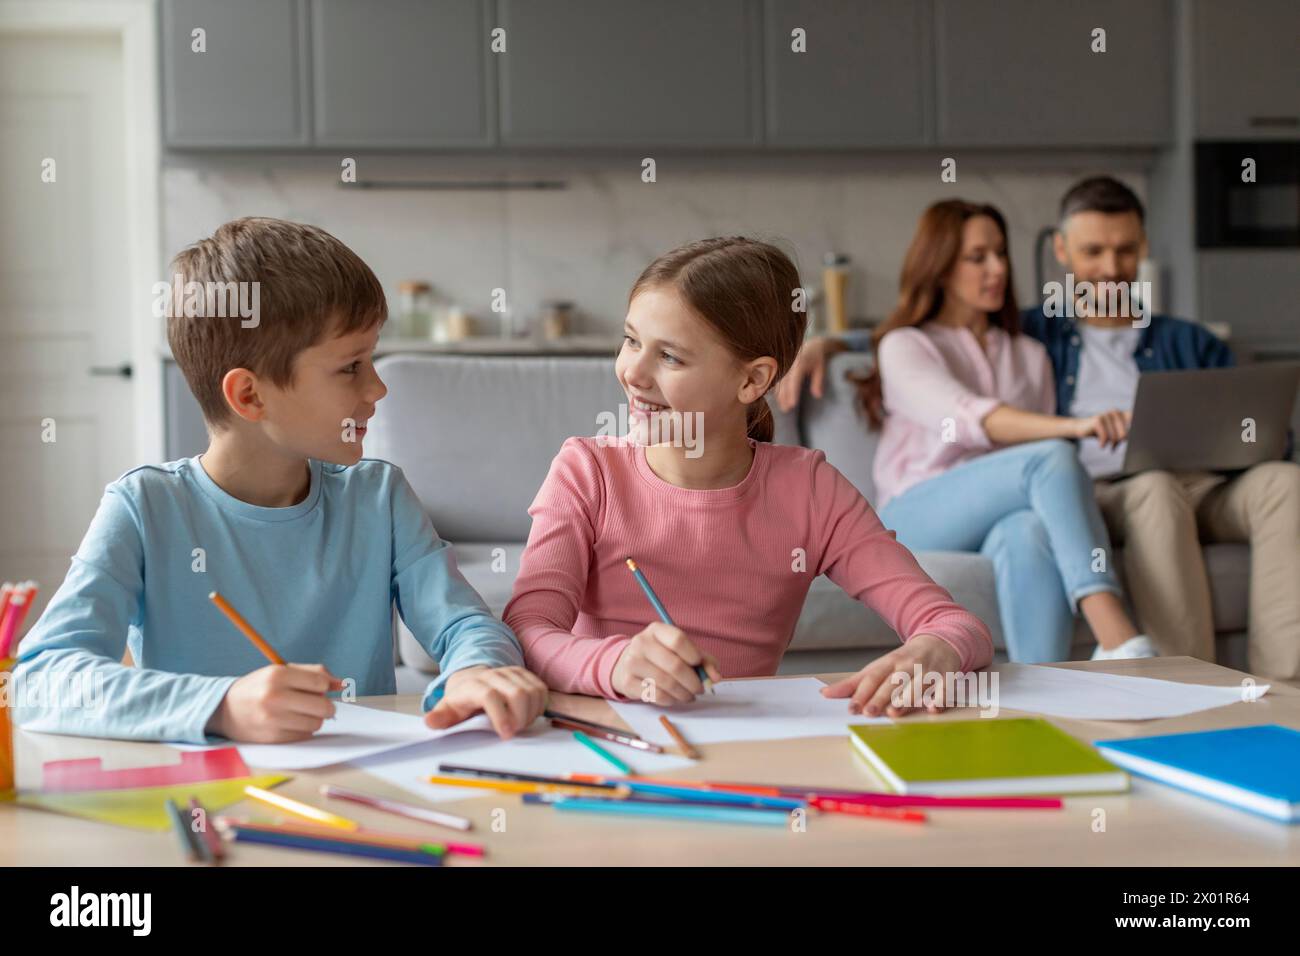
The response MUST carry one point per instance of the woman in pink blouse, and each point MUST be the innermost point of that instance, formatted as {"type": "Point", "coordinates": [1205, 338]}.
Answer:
{"type": "Point", "coordinates": [972, 456]}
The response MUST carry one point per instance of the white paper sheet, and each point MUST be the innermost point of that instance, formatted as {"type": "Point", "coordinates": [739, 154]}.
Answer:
{"type": "Point", "coordinates": [768, 709]}
{"type": "Point", "coordinates": [1089, 695]}
{"type": "Point", "coordinates": [540, 750]}
{"type": "Point", "coordinates": [353, 732]}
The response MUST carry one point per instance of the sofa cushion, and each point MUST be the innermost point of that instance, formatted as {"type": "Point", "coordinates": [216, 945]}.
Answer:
{"type": "Point", "coordinates": [831, 620]}
{"type": "Point", "coordinates": [475, 436]}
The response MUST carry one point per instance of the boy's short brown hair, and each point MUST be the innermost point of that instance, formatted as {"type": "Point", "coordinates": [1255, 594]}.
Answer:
{"type": "Point", "coordinates": [308, 285]}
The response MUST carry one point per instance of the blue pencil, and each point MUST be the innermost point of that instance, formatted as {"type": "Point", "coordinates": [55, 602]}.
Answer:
{"type": "Point", "coordinates": [295, 842]}
{"type": "Point", "coordinates": [715, 814]}
{"type": "Point", "coordinates": [684, 796]}
{"type": "Point", "coordinates": [663, 616]}
{"type": "Point", "coordinates": [713, 796]}
{"type": "Point", "coordinates": [184, 835]}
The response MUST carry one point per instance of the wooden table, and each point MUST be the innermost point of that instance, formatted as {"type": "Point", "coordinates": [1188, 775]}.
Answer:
{"type": "Point", "coordinates": [1152, 825]}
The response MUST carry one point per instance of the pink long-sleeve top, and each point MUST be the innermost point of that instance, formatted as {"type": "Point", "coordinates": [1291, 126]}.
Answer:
{"type": "Point", "coordinates": [938, 386]}
{"type": "Point", "coordinates": [731, 565]}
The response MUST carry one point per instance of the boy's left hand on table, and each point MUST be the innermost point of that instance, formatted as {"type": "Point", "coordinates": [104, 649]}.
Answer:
{"type": "Point", "coordinates": [871, 689]}
{"type": "Point", "coordinates": [512, 698]}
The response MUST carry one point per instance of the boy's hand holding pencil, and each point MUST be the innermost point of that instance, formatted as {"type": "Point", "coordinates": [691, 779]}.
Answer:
{"type": "Point", "coordinates": [512, 698]}
{"type": "Point", "coordinates": [275, 704]}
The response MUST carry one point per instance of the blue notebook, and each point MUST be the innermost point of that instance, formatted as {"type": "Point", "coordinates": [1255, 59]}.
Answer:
{"type": "Point", "coordinates": [1254, 768]}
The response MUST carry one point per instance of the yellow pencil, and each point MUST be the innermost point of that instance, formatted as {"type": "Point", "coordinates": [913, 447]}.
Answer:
{"type": "Point", "coordinates": [303, 810]}
{"type": "Point", "coordinates": [238, 620]}
{"type": "Point", "coordinates": [524, 786]}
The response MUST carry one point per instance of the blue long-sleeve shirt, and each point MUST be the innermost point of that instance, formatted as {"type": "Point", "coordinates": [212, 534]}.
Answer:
{"type": "Point", "coordinates": [317, 579]}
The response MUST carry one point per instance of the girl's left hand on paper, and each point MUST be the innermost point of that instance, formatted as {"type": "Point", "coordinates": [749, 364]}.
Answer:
{"type": "Point", "coordinates": [872, 691]}
{"type": "Point", "coordinates": [512, 698]}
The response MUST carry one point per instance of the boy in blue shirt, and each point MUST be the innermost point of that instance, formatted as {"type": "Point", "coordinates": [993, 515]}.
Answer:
{"type": "Point", "coordinates": [309, 541]}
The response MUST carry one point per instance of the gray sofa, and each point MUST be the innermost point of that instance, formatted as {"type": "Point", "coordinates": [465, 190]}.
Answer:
{"type": "Point", "coordinates": [475, 437]}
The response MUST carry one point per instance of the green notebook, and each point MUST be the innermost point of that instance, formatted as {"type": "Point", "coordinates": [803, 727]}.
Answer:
{"type": "Point", "coordinates": [982, 757]}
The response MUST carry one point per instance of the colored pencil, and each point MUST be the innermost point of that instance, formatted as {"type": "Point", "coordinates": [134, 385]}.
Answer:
{"type": "Point", "coordinates": [867, 810]}
{"type": "Point", "coordinates": [644, 786]}
{"type": "Point", "coordinates": [662, 611]}
{"type": "Point", "coordinates": [676, 734]}
{"type": "Point", "coordinates": [209, 837]}
{"type": "Point", "coordinates": [713, 814]}
{"type": "Point", "coordinates": [400, 841]}
{"type": "Point", "coordinates": [698, 798]}
{"type": "Point", "coordinates": [184, 836]}
{"type": "Point", "coordinates": [290, 841]}
{"type": "Point", "coordinates": [20, 600]}
{"type": "Point", "coordinates": [304, 810]}
{"type": "Point", "coordinates": [636, 743]}
{"type": "Point", "coordinates": [518, 777]}
{"type": "Point", "coordinates": [582, 738]}
{"type": "Point", "coordinates": [247, 629]}
{"type": "Point", "coordinates": [6, 596]}
{"type": "Point", "coordinates": [855, 796]}
{"type": "Point", "coordinates": [514, 786]}
{"type": "Point", "coordinates": [589, 725]}
{"type": "Point", "coordinates": [436, 817]}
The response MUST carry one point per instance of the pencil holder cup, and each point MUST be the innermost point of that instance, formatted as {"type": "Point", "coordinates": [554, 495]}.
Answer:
{"type": "Point", "coordinates": [6, 730]}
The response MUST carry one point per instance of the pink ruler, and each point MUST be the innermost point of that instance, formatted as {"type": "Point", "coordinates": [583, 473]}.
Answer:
{"type": "Point", "coordinates": [70, 776]}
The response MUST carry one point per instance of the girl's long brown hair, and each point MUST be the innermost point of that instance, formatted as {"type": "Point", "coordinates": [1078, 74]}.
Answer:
{"type": "Point", "coordinates": [744, 289]}
{"type": "Point", "coordinates": [930, 257]}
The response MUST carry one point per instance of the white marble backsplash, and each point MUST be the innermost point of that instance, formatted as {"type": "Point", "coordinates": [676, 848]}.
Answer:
{"type": "Point", "coordinates": [588, 241]}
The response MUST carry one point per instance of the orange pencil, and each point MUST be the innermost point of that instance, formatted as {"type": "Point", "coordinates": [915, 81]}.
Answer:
{"type": "Point", "coordinates": [686, 748]}
{"type": "Point", "coordinates": [238, 620]}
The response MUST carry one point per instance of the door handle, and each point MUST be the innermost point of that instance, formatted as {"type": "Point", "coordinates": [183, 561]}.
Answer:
{"type": "Point", "coordinates": [119, 371]}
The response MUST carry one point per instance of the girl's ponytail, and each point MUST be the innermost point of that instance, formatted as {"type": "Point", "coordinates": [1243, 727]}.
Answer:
{"type": "Point", "coordinates": [761, 426]}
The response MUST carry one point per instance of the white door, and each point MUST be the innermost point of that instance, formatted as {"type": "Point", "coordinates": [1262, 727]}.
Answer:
{"type": "Point", "coordinates": [64, 297]}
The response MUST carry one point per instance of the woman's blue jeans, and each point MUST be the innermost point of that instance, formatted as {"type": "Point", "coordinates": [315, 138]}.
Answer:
{"type": "Point", "coordinates": [1030, 509]}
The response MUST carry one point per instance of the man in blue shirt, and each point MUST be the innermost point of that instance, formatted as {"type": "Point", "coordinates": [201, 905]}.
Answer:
{"type": "Point", "coordinates": [282, 515]}
{"type": "Point", "coordinates": [1159, 517]}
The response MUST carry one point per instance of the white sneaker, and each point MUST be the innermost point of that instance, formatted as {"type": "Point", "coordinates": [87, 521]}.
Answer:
{"type": "Point", "coordinates": [1138, 646]}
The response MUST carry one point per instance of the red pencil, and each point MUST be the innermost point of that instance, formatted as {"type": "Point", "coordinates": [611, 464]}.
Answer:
{"type": "Point", "coordinates": [828, 805]}
{"type": "Point", "coordinates": [19, 602]}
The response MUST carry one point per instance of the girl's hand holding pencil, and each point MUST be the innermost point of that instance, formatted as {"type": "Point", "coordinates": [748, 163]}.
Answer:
{"type": "Point", "coordinates": [664, 655]}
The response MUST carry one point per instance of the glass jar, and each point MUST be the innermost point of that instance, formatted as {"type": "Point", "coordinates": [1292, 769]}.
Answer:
{"type": "Point", "coordinates": [414, 309]}
{"type": "Point", "coordinates": [557, 319]}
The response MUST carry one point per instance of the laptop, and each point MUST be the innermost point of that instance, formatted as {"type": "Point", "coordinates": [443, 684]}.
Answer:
{"type": "Point", "coordinates": [1191, 420]}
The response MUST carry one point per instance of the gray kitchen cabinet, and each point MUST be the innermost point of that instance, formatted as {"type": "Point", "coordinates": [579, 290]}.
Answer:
{"type": "Point", "coordinates": [248, 87]}
{"type": "Point", "coordinates": [1022, 73]}
{"type": "Point", "coordinates": [1253, 290]}
{"type": "Point", "coordinates": [1245, 69]}
{"type": "Point", "coordinates": [402, 73]}
{"type": "Point", "coordinates": [625, 73]}
{"type": "Point", "coordinates": [865, 78]}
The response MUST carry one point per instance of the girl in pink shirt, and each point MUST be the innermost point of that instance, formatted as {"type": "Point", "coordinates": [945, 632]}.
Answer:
{"type": "Point", "coordinates": [730, 529]}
